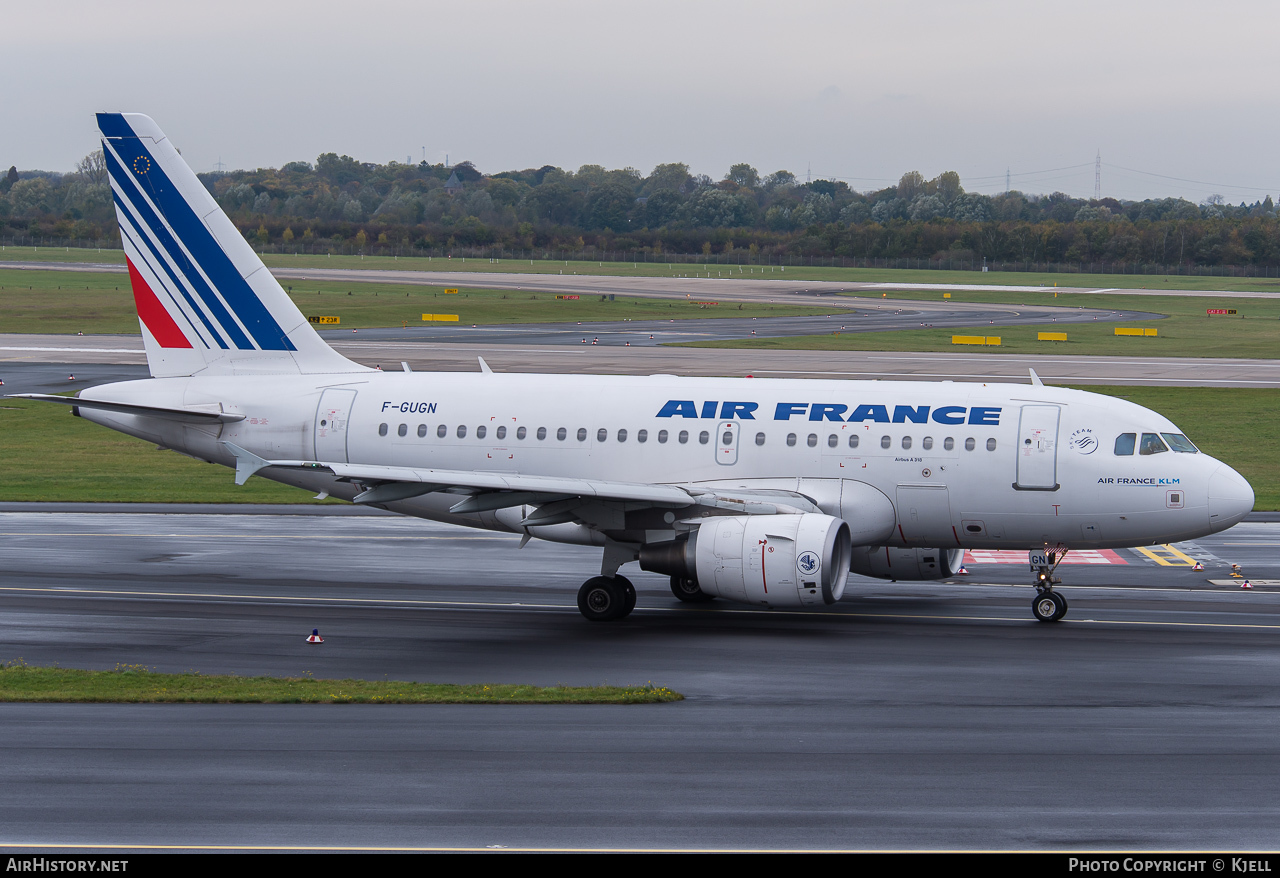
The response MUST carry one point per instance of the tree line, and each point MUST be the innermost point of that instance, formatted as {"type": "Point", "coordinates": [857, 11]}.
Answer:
{"type": "Point", "coordinates": [339, 203]}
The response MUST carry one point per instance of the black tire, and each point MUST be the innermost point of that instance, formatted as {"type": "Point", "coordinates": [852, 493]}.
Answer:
{"type": "Point", "coordinates": [1062, 601]}
{"type": "Point", "coordinates": [1048, 607]}
{"type": "Point", "coordinates": [602, 600]}
{"type": "Point", "coordinates": [688, 591]}
{"type": "Point", "coordinates": [628, 591]}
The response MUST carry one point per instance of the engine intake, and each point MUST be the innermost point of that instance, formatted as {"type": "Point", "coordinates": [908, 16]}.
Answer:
{"type": "Point", "coordinates": [775, 560]}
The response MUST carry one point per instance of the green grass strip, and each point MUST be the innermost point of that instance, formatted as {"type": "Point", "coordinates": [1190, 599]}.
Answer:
{"type": "Point", "coordinates": [135, 684]}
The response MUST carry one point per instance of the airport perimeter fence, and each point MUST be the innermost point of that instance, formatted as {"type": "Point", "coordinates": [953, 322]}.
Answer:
{"type": "Point", "coordinates": [701, 261]}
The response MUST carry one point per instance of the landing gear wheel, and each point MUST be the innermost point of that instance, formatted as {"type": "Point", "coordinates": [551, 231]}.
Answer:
{"type": "Point", "coordinates": [688, 591]}
{"type": "Point", "coordinates": [603, 600]}
{"type": "Point", "coordinates": [1049, 606]}
{"type": "Point", "coordinates": [628, 591]}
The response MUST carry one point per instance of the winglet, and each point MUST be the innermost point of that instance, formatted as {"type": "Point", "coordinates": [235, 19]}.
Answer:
{"type": "Point", "coordinates": [247, 463]}
{"type": "Point", "coordinates": [484, 367]}
{"type": "Point", "coordinates": [1035, 379]}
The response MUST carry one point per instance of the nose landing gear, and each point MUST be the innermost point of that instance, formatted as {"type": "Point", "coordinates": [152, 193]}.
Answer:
{"type": "Point", "coordinates": [1048, 605]}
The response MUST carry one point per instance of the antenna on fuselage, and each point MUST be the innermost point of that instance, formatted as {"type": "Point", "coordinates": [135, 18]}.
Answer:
{"type": "Point", "coordinates": [484, 367]}
{"type": "Point", "coordinates": [1035, 379]}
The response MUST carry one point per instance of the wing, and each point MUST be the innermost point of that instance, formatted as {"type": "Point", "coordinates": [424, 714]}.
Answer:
{"type": "Point", "coordinates": [557, 499]}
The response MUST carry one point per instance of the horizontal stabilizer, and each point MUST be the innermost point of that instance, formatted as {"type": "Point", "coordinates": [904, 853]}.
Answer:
{"type": "Point", "coordinates": [207, 414]}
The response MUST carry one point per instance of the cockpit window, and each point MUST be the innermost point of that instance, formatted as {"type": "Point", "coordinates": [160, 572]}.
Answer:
{"type": "Point", "coordinates": [1151, 444]}
{"type": "Point", "coordinates": [1180, 443]}
{"type": "Point", "coordinates": [1125, 443]}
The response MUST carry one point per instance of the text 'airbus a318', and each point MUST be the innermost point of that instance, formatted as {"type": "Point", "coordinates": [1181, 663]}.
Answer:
{"type": "Point", "coordinates": [767, 492]}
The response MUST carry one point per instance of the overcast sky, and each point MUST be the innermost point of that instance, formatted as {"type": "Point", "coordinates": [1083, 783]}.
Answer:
{"type": "Point", "coordinates": [856, 91]}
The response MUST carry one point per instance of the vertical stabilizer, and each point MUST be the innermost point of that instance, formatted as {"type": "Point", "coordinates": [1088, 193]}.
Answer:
{"type": "Point", "coordinates": [206, 303]}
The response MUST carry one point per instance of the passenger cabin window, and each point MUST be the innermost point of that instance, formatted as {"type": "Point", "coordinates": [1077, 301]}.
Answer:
{"type": "Point", "coordinates": [885, 442]}
{"type": "Point", "coordinates": [833, 440]}
{"type": "Point", "coordinates": [812, 440]}
{"type": "Point", "coordinates": [382, 429]}
{"type": "Point", "coordinates": [704, 437]}
{"type": "Point", "coordinates": [642, 436]}
{"type": "Point", "coordinates": [853, 440]}
{"type": "Point", "coordinates": [906, 443]}
{"type": "Point", "coordinates": [683, 437]}
{"type": "Point", "coordinates": [582, 434]}
{"type": "Point", "coordinates": [991, 445]}
{"type": "Point", "coordinates": [622, 435]}
{"type": "Point", "coordinates": [422, 431]}
{"type": "Point", "coordinates": [948, 444]}
{"type": "Point", "coordinates": [462, 432]}
{"type": "Point", "coordinates": [1151, 444]}
{"type": "Point", "coordinates": [1125, 443]}
{"type": "Point", "coordinates": [791, 439]}
{"type": "Point", "coordinates": [501, 432]}
{"type": "Point", "coordinates": [927, 442]}
{"type": "Point", "coordinates": [442, 431]}
{"type": "Point", "coordinates": [562, 434]}
{"type": "Point", "coordinates": [521, 432]}
{"type": "Point", "coordinates": [602, 434]}
{"type": "Point", "coordinates": [759, 438]}
{"type": "Point", "coordinates": [662, 437]}
{"type": "Point", "coordinates": [542, 433]}
{"type": "Point", "coordinates": [1180, 443]}
{"type": "Point", "coordinates": [480, 431]}
{"type": "Point", "coordinates": [970, 444]}
{"type": "Point", "coordinates": [402, 430]}
{"type": "Point", "coordinates": [727, 438]}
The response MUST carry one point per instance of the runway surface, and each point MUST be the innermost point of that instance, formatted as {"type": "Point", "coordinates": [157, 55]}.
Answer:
{"type": "Point", "coordinates": [25, 362]}
{"type": "Point", "coordinates": [917, 715]}
{"type": "Point", "coordinates": [730, 283]}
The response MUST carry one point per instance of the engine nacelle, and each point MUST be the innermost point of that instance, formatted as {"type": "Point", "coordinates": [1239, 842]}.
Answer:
{"type": "Point", "coordinates": [888, 562]}
{"type": "Point", "coordinates": [776, 560]}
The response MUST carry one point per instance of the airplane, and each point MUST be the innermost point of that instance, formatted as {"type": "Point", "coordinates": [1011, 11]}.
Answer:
{"type": "Point", "coordinates": [767, 492]}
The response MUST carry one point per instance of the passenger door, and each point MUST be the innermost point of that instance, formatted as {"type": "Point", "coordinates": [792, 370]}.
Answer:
{"type": "Point", "coordinates": [1038, 448]}
{"type": "Point", "coordinates": [332, 417]}
{"type": "Point", "coordinates": [726, 441]}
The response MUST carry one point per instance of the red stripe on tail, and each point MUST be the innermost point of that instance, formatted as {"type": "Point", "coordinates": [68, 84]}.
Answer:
{"type": "Point", "coordinates": [154, 315]}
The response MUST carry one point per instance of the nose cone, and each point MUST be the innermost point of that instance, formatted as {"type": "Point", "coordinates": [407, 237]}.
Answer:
{"type": "Point", "coordinates": [1230, 498]}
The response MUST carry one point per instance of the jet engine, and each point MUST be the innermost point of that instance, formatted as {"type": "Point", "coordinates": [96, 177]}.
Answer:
{"type": "Point", "coordinates": [794, 560]}
{"type": "Point", "coordinates": [887, 562]}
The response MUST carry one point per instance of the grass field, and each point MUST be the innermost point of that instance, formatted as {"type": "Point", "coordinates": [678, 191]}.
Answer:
{"type": "Point", "coordinates": [46, 454]}
{"type": "Point", "coordinates": [59, 302]}
{"type": "Point", "coordinates": [1186, 331]}
{"type": "Point", "coordinates": [137, 684]}
{"type": "Point", "coordinates": [662, 269]}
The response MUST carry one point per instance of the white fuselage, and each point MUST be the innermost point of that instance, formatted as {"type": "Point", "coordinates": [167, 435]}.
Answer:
{"type": "Point", "coordinates": [964, 465]}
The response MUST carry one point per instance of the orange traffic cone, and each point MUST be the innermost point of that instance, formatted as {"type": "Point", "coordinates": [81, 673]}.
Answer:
{"type": "Point", "coordinates": [1245, 584]}
{"type": "Point", "coordinates": [315, 636]}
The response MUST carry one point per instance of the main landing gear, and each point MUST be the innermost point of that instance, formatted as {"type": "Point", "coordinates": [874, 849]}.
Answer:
{"type": "Point", "coordinates": [1048, 605]}
{"type": "Point", "coordinates": [688, 591]}
{"type": "Point", "coordinates": [602, 599]}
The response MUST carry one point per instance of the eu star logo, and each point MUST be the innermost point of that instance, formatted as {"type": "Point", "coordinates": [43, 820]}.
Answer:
{"type": "Point", "coordinates": [141, 165]}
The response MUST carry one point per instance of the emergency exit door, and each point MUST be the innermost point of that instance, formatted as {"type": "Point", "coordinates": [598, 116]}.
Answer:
{"type": "Point", "coordinates": [332, 416]}
{"type": "Point", "coordinates": [726, 441]}
{"type": "Point", "coordinates": [1038, 448]}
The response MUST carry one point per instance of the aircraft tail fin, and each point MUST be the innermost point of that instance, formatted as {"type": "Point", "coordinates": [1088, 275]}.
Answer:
{"type": "Point", "coordinates": [206, 303]}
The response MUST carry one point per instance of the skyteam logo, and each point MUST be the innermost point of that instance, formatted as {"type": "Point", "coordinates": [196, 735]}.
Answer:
{"type": "Point", "coordinates": [808, 563]}
{"type": "Point", "coordinates": [1083, 441]}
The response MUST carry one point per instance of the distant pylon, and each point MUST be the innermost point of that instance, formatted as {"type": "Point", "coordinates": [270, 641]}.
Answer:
{"type": "Point", "coordinates": [1006, 181]}
{"type": "Point", "coordinates": [1097, 176]}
